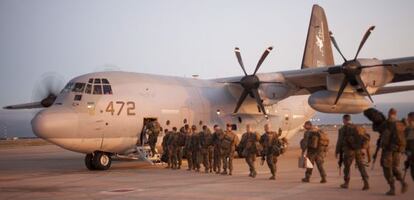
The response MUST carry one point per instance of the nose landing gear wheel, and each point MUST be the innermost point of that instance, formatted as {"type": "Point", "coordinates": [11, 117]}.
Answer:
{"type": "Point", "coordinates": [98, 161]}
{"type": "Point", "coordinates": [89, 162]}
{"type": "Point", "coordinates": [101, 161]}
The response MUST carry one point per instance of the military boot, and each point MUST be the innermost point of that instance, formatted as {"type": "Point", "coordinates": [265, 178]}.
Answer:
{"type": "Point", "coordinates": [230, 173]}
{"type": "Point", "coordinates": [404, 187]}
{"type": "Point", "coordinates": [323, 180]}
{"type": "Point", "coordinates": [254, 174]}
{"type": "Point", "coordinates": [391, 192]}
{"type": "Point", "coordinates": [345, 185]}
{"type": "Point", "coordinates": [305, 180]}
{"type": "Point", "coordinates": [366, 185]}
{"type": "Point", "coordinates": [273, 177]}
{"type": "Point", "coordinates": [224, 172]}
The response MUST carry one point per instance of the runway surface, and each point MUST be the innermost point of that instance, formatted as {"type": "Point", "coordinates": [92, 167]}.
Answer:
{"type": "Point", "coordinates": [49, 172]}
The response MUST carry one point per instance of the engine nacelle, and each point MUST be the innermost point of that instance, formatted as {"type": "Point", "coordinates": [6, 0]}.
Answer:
{"type": "Point", "coordinates": [350, 103]}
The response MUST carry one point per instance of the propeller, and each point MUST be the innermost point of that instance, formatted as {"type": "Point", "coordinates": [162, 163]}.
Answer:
{"type": "Point", "coordinates": [352, 68]}
{"type": "Point", "coordinates": [47, 89]}
{"type": "Point", "coordinates": [251, 83]}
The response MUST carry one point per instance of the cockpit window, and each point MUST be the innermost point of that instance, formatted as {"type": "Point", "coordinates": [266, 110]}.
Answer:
{"type": "Point", "coordinates": [97, 89]}
{"type": "Point", "coordinates": [90, 80]}
{"type": "Point", "coordinates": [88, 89]}
{"type": "Point", "coordinates": [105, 81]}
{"type": "Point", "coordinates": [107, 89]}
{"type": "Point", "coordinates": [68, 87]}
{"type": "Point", "coordinates": [79, 87]}
{"type": "Point", "coordinates": [97, 81]}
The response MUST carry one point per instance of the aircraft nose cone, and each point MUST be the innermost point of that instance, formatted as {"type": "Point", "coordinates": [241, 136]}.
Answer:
{"type": "Point", "coordinates": [55, 123]}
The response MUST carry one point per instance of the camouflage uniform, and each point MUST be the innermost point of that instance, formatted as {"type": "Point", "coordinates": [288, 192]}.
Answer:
{"type": "Point", "coordinates": [217, 137]}
{"type": "Point", "coordinates": [315, 153]}
{"type": "Point", "coordinates": [165, 150]}
{"type": "Point", "coordinates": [207, 149]}
{"type": "Point", "coordinates": [173, 148]}
{"type": "Point", "coordinates": [227, 148]}
{"type": "Point", "coordinates": [248, 144]}
{"type": "Point", "coordinates": [154, 130]}
{"type": "Point", "coordinates": [346, 145]}
{"type": "Point", "coordinates": [409, 135]}
{"type": "Point", "coordinates": [180, 147]}
{"type": "Point", "coordinates": [196, 148]}
{"type": "Point", "coordinates": [188, 148]}
{"type": "Point", "coordinates": [267, 140]}
{"type": "Point", "coordinates": [393, 144]}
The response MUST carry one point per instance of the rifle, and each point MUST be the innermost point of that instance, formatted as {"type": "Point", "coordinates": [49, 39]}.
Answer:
{"type": "Point", "coordinates": [374, 157]}
{"type": "Point", "coordinates": [341, 160]}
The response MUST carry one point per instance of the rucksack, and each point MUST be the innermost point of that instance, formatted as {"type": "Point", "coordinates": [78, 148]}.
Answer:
{"type": "Point", "coordinates": [363, 137]}
{"type": "Point", "coordinates": [398, 142]}
{"type": "Point", "coordinates": [352, 138]}
{"type": "Point", "coordinates": [323, 142]}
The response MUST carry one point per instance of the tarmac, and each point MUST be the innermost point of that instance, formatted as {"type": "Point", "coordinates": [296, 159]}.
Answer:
{"type": "Point", "coordinates": [49, 172]}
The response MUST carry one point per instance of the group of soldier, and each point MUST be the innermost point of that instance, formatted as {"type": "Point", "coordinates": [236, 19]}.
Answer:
{"type": "Point", "coordinates": [216, 150]}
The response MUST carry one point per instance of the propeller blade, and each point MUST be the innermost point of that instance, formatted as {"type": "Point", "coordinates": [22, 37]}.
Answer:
{"type": "Point", "coordinates": [336, 45]}
{"type": "Point", "coordinates": [364, 39]}
{"type": "Point", "coordinates": [341, 90]}
{"type": "Point", "coordinates": [259, 101]}
{"type": "Point", "coordinates": [265, 53]}
{"type": "Point", "coordinates": [238, 55]}
{"type": "Point", "coordinates": [361, 83]}
{"type": "Point", "coordinates": [241, 100]}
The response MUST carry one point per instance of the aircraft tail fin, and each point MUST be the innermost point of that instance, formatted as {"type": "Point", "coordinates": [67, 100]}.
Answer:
{"type": "Point", "coordinates": [318, 49]}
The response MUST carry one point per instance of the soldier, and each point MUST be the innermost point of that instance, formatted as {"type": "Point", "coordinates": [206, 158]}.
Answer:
{"type": "Point", "coordinates": [165, 152]}
{"type": "Point", "coordinates": [180, 146]}
{"type": "Point", "coordinates": [207, 149]}
{"type": "Point", "coordinates": [393, 144]}
{"type": "Point", "coordinates": [315, 144]}
{"type": "Point", "coordinates": [227, 148]}
{"type": "Point", "coordinates": [173, 148]}
{"type": "Point", "coordinates": [248, 144]}
{"type": "Point", "coordinates": [349, 146]}
{"type": "Point", "coordinates": [267, 140]}
{"type": "Point", "coordinates": [217, 137]}
{"type": "Point", "coordinates": [196, 148]}
{"type": "Point", "coordinates": [409, 135]}
{"type": "Point", "coordinates": [188, 149]}
{"type": "Point", "coordinates": [154, 130]}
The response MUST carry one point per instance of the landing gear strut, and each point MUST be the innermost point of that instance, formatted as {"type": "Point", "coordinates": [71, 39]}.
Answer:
{"type": "Point", "coordinates": [98, 161]}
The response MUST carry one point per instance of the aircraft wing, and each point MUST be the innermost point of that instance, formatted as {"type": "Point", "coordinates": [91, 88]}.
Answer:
{"type": "Point", "coordinates": [404, 69]}
{"type": "Point", "coordinates": [314, 79]}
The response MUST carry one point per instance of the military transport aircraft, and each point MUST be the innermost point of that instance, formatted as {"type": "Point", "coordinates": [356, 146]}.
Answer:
{"type": "Point", "coordinates": [103, 114]}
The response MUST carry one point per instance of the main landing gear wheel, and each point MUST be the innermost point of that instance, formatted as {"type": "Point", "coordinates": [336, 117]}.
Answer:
{"type": "Point", "coordinates": [98, 161]}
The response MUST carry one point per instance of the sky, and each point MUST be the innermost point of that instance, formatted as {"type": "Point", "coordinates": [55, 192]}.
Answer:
{"type": "Point", "coordinates": [182, 38]}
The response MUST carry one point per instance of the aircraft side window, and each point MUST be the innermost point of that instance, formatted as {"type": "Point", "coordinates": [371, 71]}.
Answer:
{"type": "Point", "coordinates": [107, 89]}
{"type": "Point", "coordinates": [79, 87]}
{"type": "Point", "coordinates": [78, 97]}
{"type": "Point", "coordinates": [97, 89]}
{"type": "Point", "coordinates": [97, 81]}
{"type": "Point", "coordinates": [105, 81]}
{"type": "Point", "coordinates": [88, 89]}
